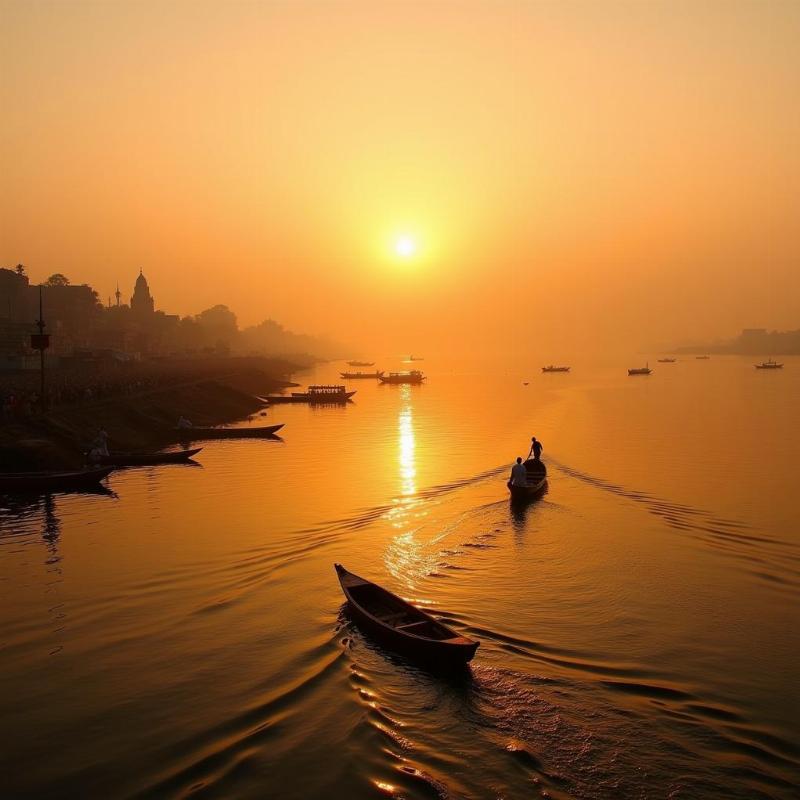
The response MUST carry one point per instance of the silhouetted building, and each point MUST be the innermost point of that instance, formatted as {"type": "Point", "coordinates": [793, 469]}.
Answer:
{"type": "Point", "coordinates": [142, 303]}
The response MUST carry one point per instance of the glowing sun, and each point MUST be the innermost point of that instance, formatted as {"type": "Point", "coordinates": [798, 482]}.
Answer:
{"type": "Point", "coordinates": [405, 247]}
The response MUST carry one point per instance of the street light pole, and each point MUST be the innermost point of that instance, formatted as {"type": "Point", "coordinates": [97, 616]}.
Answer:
{"type": "Point", "coordinates": [40, 342]}
{"type": "Point", "coordinates": [40, 323]}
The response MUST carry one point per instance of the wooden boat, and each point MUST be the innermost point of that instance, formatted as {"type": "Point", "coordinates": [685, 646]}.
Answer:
{"type": "Point", "coordinates": [402, 626]}
{"type": "Point", "coordinates": [537, 478]}
{"type": "Point", "coordinates": [416, 358]}
{"type": "Point", "coordinates": [645, 370]}
{"type": "Point", "coordinates": [768, 365]}
{"type": "Point", "coordinates": [315, 394]}
{"type": "Point", "coordinates": [667, 360]}
{"type": "Point", "coordinates": [146, 459]}
{"type": "Point", "coordinates": [357, 375]}
{"type": "Point", "coordinates": [414, 376]}
{"type": "Point", "coordinates": [360, 363]}
{"type": "Point", "coordinates": [702, 358]}
{"type": "Point", "coordinates": [263, 432]}
{"type": "Point", "coordinates": [52, 481]}
{"type": "Point", "coordinates": [552, 368]}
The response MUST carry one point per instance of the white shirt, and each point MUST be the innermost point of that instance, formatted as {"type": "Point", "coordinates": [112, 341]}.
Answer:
{"type": "Point", "coordinates": [519, 475]}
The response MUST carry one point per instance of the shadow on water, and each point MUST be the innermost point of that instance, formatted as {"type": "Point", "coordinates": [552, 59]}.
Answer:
{"type": "Point", "coordinates": [519, 509]}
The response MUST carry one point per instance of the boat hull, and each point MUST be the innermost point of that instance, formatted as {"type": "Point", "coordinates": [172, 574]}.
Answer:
{"type": "Point", "coordinates": [146, 459]}
{"type": "Point", "coordinates": [453, 651]}
{"type": "Point", "coordinates": [52, 481]}
{"type": "Point", "coordinates": [537, 480]}
{"type": "Point", "coordinates": [264, 432]}
{"type": "Point", "coordinates": [332, 400]}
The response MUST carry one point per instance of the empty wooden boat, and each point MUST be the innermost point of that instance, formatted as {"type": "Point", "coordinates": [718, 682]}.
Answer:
{"type": "Point", "coordinates": [263, 432]}
{"type": "Point", "coordinates": [52, 481]}
{"type": "Point", "coordinates": [146, 459]}
{"type": "Point", "coordinates": [552, 368]}
{"type": "Point", "coordinates": [537, 478]}
{"type": "Point", "coordinates": [402, 626]}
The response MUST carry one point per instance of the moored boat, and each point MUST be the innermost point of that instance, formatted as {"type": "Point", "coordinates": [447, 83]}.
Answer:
{"type": "Point", "coordinates": [667, 360]}
{"type": "Point", "coordinates": [52, 481]}
{"type": "Point", "coordinates": [316, 394]}
{"type": "Point", "coordinates": [358, 375]}
{"type": "Point", "coordinates": [401, 625]}
{"type": "Point", "coordinates": [196, 433]}
{"type": "Point", "coordinates": [552, 368]}
{"type": "Point", "coordinates": [645, 370]}
{"type": "Point", "coordinates": [770, 364]}
{"type": "Point", "coordinates": [360, 363]}
{"type": "Point", "coordinates": [146, 459]}
{"type": "Point", "coordinates": [537, 478]}
{"type": "Point", "coordinates": [414, 376]}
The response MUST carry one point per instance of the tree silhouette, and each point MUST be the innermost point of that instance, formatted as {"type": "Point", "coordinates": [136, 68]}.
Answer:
{"type": "Point", "coordinates": [57, 279]}
{"type": "Point", "coordinates": [20, 270]}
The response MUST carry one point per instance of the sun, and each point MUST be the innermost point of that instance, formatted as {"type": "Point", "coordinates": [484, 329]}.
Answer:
{"type": "Point", "coordinates": [405, 246]}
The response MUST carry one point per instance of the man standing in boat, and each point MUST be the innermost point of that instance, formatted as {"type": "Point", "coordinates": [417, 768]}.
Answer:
{"type": "Point", "coordinates": [536, 449]}
{"type": "Point", "coordinates": [519, 475]}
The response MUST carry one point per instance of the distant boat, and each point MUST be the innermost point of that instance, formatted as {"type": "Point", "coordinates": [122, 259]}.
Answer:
{"type": "Point", "coordinates": [196, 433]}
{"type": "Point", "coordinates": [11, 482]}
{"type": "Point", "coordinates": [414, 376]}
{"type": "Point", "coordinates": [552, 368]}
{"type": "Point", "coordinates": [145, 459]}
{"type": "Point", "coordinates": [702, 358]}
{"type": "Point", "coordinates": [537, 478]}
{"type": "Point", "coordinates": [316, 395]}
{"type": "Point", "coordinates": [768, 365]}
{"type": "Point", "coordinates": [402, 626]}
{"type": "Point", "coordinates": [645, 370]}
{"type": "Point", "coordinates": [356, 375]}
{"type": "Point", "coordinates": [416, 358]}
{"type": "Point", "coordinates": [667, 360]}
{"type": "Point", "coordinates": [360, 363]}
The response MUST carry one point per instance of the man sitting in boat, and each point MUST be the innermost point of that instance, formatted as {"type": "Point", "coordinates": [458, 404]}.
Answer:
{"type": "Point", "coordinates": [536, 449]}
{"type": "Point", "coordinates": [184, 423]}
{"type": "Point", "coordinates": [519, 475]}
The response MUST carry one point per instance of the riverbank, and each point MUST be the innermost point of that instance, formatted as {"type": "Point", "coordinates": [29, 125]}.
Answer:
{"type": "Point", "coordinates": [217, 394]}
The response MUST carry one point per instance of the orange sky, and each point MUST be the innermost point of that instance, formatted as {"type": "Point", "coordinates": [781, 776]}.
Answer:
{"type": "Point", "coordinates": [627, 172]}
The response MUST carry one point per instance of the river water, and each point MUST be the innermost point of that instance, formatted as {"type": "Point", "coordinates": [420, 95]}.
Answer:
{"type": "Point", "coordinates": [184, 634]}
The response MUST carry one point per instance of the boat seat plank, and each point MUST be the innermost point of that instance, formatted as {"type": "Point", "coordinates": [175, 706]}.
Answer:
{"type": "Point", "coordinates": [409, 626]}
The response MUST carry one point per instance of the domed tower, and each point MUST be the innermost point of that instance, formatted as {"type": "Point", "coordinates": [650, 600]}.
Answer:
{"type": "Point", "coordinates": [142, 303]}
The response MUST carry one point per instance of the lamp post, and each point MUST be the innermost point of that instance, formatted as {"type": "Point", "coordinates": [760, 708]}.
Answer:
{"type": "Point", "coordinates": [41, 341]}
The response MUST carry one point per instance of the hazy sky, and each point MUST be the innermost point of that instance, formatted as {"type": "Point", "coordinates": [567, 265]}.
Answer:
{"type": "Point", "coordinates": [571, 174]}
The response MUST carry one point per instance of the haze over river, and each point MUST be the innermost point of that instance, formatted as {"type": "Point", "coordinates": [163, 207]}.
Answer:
{"type": "Point", "coordinates": [638, 624]}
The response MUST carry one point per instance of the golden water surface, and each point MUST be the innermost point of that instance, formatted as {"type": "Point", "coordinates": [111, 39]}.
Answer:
{"type": "Point", "coordinates": [184, 633]}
